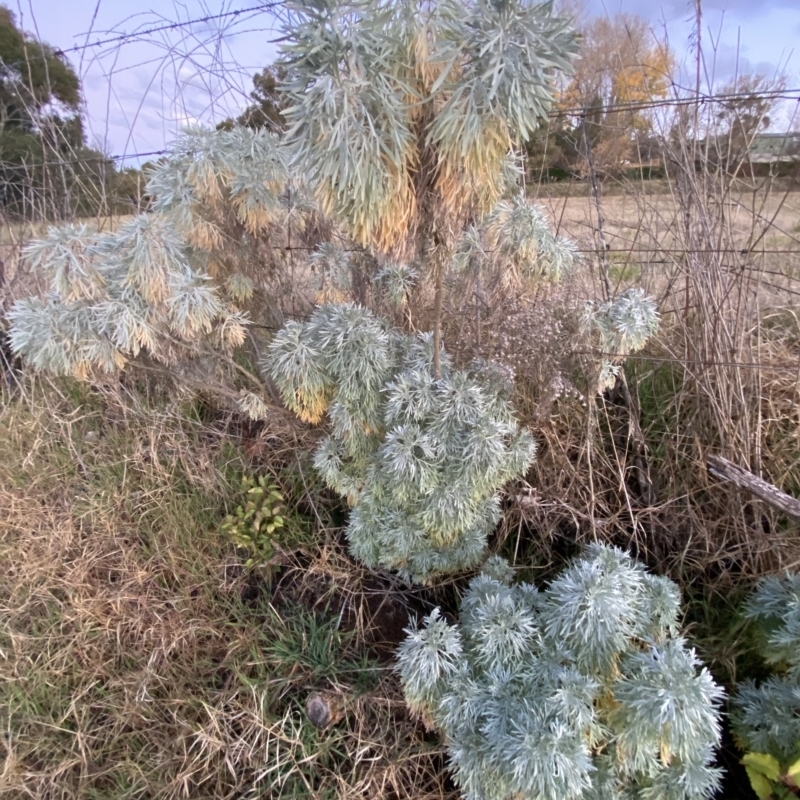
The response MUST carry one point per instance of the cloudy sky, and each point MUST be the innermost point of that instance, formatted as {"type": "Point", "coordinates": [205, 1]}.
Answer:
{"type": "Point", "coordinates": [743, 35]}
{"type": "Point", "coordinates": [140, 91]}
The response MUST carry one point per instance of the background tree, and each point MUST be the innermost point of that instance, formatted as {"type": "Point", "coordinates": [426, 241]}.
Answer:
{"type": "Point", "coordinates": [266, 110]}
{"type": "Point", "coordinates": [746, 114]}
{"type": "Point", "coordinates": [550, 153]}
{"type": "Point", "coordinates": [129, 190]}
{"type": "Point", "coordinates": [621, 63]}
{"type": "Point", "coordinates": [46, 167]}
{"type": "Point", "coordinates": [32, 75]}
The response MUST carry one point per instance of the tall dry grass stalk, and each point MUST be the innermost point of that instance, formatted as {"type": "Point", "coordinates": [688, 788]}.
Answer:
{"type": "Point", "coordinates": [715, 241]}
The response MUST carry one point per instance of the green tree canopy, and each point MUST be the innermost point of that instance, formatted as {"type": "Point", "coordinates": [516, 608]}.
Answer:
{"type": "Point", "coordinates": [266, 111]}
{"type": "Point", "coordinates": [32, 75]}
{"type": "Point", "coordinates": [46, 167]}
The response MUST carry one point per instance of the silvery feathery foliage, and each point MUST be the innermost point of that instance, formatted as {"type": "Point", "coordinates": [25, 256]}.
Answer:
{"type": "Point", "coordinates": [420, 460]}
{"type": "Point", "coordinates": [507, 52]}
{"type": "Point", "coordinates": [114, 295]}
{"type": "Point", "coordinates": [209, 172]}
{"type": "Point", "coordinates": [766, 717]}
{"type": "Point", "coordinates": [253, 406]}
{"type": "Point", "coordinates": [623, 325]}
{"type": "Point", "coordinates": [332, 268]}
{"type": "Point", "coordinates": [398, 280]}
{"type": "Point", "coordinates": [376, 88]}
{"type": "Point", "coordinates": [514, 241]}
{"type": "Point", "coordinates": [582, 690]}
{"type": "Point", "coordinates": [156, 284]}
{"type": "Point", "coordinates": [348, 114]}
{"type": "Point", "coordinates": [523, 240]}
{"type": "Point", "coordinates": [627, 322]}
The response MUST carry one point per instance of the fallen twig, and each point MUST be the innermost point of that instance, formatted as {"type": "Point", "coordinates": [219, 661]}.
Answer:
{"type": "Point", "coordinates": [726, 470]}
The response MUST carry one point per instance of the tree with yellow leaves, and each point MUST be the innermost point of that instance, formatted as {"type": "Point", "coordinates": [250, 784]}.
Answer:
{"type": "Point", "coordinates": [623, 68]}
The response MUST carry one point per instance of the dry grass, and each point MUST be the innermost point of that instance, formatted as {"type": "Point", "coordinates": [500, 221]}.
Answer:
{"type": "Point", "coordinates": [644, 232]}
{"type": "Point", "coordinates": [139, 660]}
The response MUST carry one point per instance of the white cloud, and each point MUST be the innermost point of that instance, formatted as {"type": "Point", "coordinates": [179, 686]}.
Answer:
{"type": "Point", "coordinates": [140, 93]}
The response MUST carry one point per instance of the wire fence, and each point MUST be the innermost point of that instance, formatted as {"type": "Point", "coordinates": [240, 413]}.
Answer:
{"type": "Point", "coordinates": [124, 38]}
{"type": "Point", "coordinates": [574, 111]}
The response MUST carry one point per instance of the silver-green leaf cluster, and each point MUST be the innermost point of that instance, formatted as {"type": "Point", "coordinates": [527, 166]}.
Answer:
{"type": "Point", "coordinates": [420, 460]}
{"type": "Point", "coordinates": [515, 241]}
{"type": "Point", "coordinates": [388, 100]}
{"type": "Point", "coordinates": [766, 716]}
{"type": "Point", "coordinates": [209, 174]}
{"type": "Point", "coordinates": [166, 279]}
{"type": "Point", "coordinates": [582, 690]}
{"type": "Point", "coordinates": [114, 295]}
{"type": "Point", "coordinates": [621, 326]}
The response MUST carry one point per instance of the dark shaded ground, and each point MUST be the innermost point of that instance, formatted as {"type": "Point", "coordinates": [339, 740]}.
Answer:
{"type": "Point", "coordinates": [735, 783]}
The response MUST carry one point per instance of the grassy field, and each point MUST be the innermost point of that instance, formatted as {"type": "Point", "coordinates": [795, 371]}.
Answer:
{"type": "Point", "coordinates": [139, 659]}
{"type": "Point", "coordinates": [641, 219]}
{"type": "Point", "coordinates": [646, 241]}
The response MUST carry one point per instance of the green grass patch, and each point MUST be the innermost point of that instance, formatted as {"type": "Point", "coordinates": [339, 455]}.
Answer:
{"type": "Point", "coordinates": [139, 658]}
{"type": "Point", "coordinates": [622, 272]}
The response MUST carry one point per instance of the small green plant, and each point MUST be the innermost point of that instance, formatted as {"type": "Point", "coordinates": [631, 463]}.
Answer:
{"type": "Point", "coordinates": [621, 270]}
{"type": "Point", "coordinates": [311, 649]}
{"type": "Point", "coordinates": [766, 716]}
{"type": "Point", "coordinates": [771, 780]}
{"type": "Point", "coordinates": [255, 522]}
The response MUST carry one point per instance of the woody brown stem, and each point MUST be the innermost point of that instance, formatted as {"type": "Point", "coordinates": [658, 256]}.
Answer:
{"type": "Point", "coordinates": [437, 324]}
